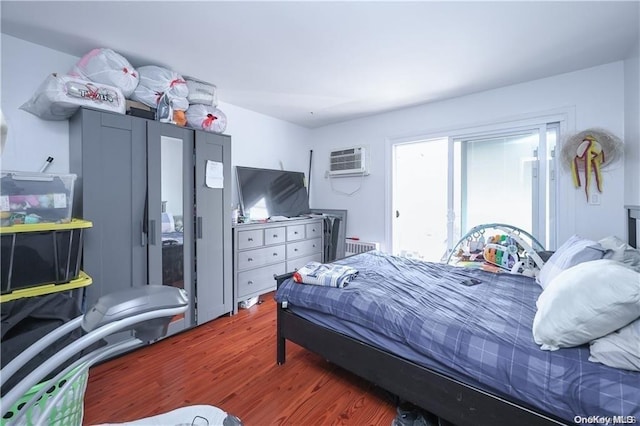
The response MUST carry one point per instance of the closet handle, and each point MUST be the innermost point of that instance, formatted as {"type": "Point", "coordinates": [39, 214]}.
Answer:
{"type": "Point", "coordinates": [143, 236]}
{"type": "Point", "coordinates": [152, 232]}
{"type": "Point", "coordinates": [199, 227]}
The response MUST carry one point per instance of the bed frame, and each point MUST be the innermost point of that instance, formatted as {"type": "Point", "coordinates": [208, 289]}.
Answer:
{"type": "Point", "coordinates": [450, 399]}
{"type": "Point", "coordinates": [445, 397]}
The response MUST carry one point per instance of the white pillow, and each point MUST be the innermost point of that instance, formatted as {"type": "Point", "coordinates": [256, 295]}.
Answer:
{"type": "Point", "coordinates": [585, 302]}
{"type": "Point", "coordinates": [620, 349]}
{"type": "Point", "coordinates": [168, 224]}
{"type": "Point", "coordinates": [620, 251]}
{"type": "Point", "coordinates": [574, 251]}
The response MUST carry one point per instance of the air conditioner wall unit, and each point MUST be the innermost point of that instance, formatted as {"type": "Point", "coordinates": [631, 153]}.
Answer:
{"type": "Point", "coordinates": [348, 162]}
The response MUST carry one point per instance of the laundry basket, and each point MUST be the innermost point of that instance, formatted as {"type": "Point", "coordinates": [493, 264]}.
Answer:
{"type": "Point", "coordinates": [68, 412]}
{"type": "Point", "coordinates": [146, 310]}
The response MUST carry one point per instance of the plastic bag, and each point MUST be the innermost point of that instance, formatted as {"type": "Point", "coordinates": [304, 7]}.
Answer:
{"type": "Point", "coordinates": [107, 67]}
{"type": "Point", "coordinates": [201, 92]}
{"type": "Point", "coordinates": [167, 113]}
{"type": "Point", "coordinates": [156, 81]}
{"type": "Point", "coordinates": [207, 118]}
{"type": "Point", "coordinates": [59, 96]}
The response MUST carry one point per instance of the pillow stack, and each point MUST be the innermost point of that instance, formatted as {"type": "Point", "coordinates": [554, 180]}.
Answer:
{"type": "Point", "coordinates": [592, 295]}
{"type": "Point", "coordinates": [621, 252]}
{"type": "Point", "coordinates": [574, 251]}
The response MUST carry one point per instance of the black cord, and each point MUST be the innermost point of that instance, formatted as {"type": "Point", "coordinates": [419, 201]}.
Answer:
{"type": "Point", "coordinates": [309, 186]}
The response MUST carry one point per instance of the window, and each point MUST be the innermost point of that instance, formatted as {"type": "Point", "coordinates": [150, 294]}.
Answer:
{"type": "Point", "coordinates": [499, 175]}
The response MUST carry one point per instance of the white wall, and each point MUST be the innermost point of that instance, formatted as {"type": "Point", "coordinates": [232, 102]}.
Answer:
{"type": "Point", "coordinates": [31, 140]}
{"type": "Point", "coordinates": [262, 141]}
{"type": "Point", "coordinates": [596, 95]}
{"type": "Point", "coordinates": [257, 140]}
{"type": "Point", "coordinates": [632, 127]}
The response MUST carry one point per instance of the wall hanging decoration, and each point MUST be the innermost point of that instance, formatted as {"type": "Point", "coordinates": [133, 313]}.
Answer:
{"type": "Point", "coordinates": [588, 152]}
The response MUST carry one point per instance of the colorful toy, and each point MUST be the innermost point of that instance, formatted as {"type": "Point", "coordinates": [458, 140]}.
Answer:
{"type": "Point", "coordinates": [509, 249]}
{"type": "Point", "coordinates": [502, 255]}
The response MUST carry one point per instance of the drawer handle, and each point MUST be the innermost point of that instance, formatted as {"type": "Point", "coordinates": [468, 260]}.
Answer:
{"type": "Point", "coordinates": [275, 235]}
{"type": "Point", "coordinates": [295, 249]}
{"type": "Point", "coordinates": [314, 246]}
{"type": "Point", "coordinates": [249, 239]}
{"type": "Point", "coordinates": [249, 282]}
{"type": "Point", "coordinates": [295, 232]}
{"type": "Point", "coordinates": [250, 259]}
{"type": "Point", "coordinates": [313, 230]}
{"type": "Point", "coordinates": [275, 254]}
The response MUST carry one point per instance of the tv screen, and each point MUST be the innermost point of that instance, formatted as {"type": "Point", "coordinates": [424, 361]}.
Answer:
{"type": "Point", "coordinates": [265, 193]}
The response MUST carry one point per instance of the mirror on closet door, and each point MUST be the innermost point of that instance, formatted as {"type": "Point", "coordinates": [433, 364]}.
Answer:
{"type": "Point", "coordinates": [172, 196]}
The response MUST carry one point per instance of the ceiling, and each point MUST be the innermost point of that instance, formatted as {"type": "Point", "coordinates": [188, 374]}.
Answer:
{"type": "Point", "coordinates": [316, 63]}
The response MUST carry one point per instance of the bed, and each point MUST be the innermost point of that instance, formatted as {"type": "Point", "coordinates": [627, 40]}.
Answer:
{"type": "Point", "coordinates": [468, 364]}
{"type": "Point", "coordinates": [172, 251]}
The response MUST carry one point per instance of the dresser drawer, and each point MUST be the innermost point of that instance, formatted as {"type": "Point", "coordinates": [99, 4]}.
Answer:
{"type": "Point", "coordinates": [259, 280]}
{"type": "Point", "coordinates": [295, 232]}
{"type": "Point", "coordinates": [249, 239]}
{"type": "Point", "coordinates": [298, 263]}
{"type": "Point", "coordinates": [304, 248]}
{"type": "Point", "coordinates": [274, 235]}
{"type": "Point", "coordinates": [314, 230]}
{"type": "Point", "coordinates": [260, 257]}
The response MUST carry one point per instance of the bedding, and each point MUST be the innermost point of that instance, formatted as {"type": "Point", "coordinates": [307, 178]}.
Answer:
{"type": "Point", "coordinates": [168, 223]}
{"type": "Point", "coordinates": [622, 252]}
{"type": "Point", "coordinates": [173, 258]}
{"type": "Point", "coordinates": [574, 251]}
{"type": "Point", "coordinates": [620, 349]}
{"type": "Point", "coordinates": [585, 302]}
{"type": "Point", "coordinates": [479, 334]}
{"type": "Point", "coordinates": [172, 238]}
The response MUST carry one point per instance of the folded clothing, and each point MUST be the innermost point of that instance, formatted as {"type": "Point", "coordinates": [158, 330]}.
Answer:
{"type": "Point", "coordinates": [328, 275]}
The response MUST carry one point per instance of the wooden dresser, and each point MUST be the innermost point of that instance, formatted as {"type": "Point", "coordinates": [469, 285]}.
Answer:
{"type": "Point", "coordinates": [263, 250]}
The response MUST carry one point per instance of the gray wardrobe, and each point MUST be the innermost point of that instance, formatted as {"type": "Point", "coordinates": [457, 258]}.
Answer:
{"type": "Point", "coordinates": [157, 195]}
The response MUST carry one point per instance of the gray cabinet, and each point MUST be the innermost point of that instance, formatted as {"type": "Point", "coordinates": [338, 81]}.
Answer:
{"type": "Point", "coordinates": [143, 185]}
{"type": "Point", "coordinates": [262, 250]}
{"type": "Point", "coordinates": [213, 253]}
{"type": "Point", "coordinates": [108, 153]}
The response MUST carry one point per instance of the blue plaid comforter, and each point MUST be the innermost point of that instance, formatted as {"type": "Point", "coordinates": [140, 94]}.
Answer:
{"type": "Point", "coordinates": [480, 333]}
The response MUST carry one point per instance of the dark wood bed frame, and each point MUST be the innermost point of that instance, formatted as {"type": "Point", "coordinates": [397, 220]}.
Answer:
{"type": "Point", "coordinates": [450, 399]}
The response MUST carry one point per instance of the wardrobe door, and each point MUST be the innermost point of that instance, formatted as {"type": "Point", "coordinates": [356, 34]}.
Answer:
{"type": "Point", "coordinates": [170, 211]}
{"type": "Point", "coordinates": [107, 152]}
{"type": "Point", "coordinates": [213, 225]}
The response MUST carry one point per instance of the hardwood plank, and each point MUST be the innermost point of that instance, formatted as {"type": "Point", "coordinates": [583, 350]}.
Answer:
{"type": "Point", "coordinates": [231, 363]}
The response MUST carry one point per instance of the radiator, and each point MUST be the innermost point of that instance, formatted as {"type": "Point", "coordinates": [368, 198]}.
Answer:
{"type": "Point", "coordinates": [352, 247]}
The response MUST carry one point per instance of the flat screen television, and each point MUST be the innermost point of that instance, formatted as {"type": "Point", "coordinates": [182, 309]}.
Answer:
{"type": "Point", "coordinates": [265, 193]}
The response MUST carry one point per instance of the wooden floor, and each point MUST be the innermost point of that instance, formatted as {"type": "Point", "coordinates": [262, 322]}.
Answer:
{"type": "Point", "coordinates": [230, 363]}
